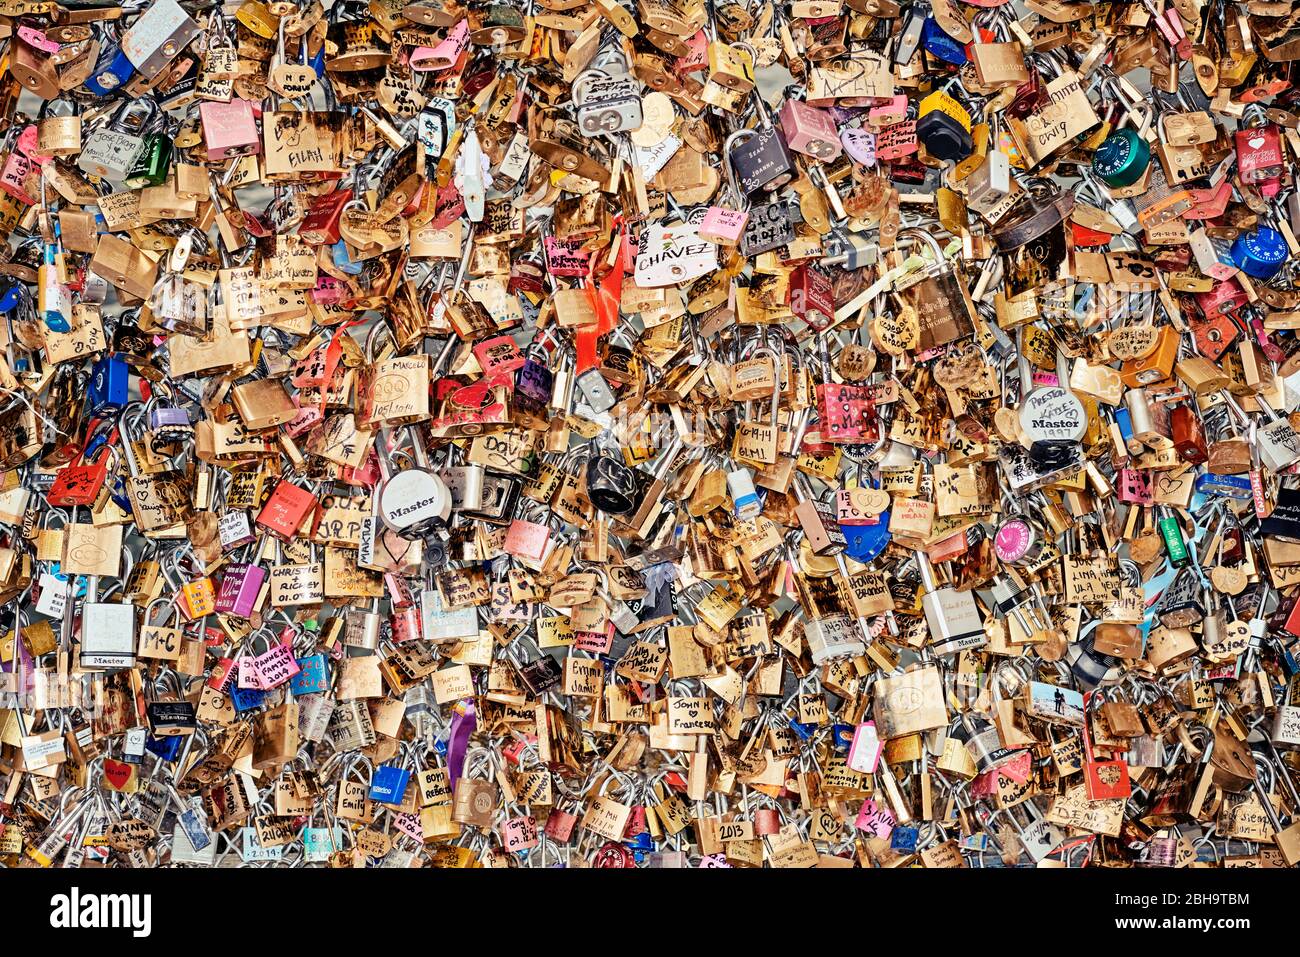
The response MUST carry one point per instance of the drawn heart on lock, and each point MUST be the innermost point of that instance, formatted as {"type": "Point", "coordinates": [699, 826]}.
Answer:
{"type": "Point", "coordinates": [117, 773]}
{"type": "Point", "coordinates": [1255, 142]}
{"type": "Point", "coordinates": [1169, 484]}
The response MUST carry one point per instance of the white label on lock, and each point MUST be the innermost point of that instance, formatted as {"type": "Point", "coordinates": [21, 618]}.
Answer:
{"type": "Point", "coordinates": [233, 528]}
{"type": "Point", "coordinates": [54, 596]}
{"type": "Point", "coordinates": [37, 753]}
{"type": "Point", "coordinates": [133, 742]}
{"type": "Point", "coordinates": [671, 255]}
{"type": "Point", "coordinates": [366, 544]}
{"type": "Point", "coordinates": [1053, 413]}
{"type": "Point", "coordinates": [651, 159]}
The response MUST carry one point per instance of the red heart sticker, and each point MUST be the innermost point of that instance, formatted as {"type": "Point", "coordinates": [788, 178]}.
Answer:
{"type": "Point", "coordinates": [118, 773]}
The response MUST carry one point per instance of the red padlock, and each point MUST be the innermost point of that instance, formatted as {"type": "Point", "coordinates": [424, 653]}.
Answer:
{"type": "Point", "coordinates": [78, 483]}
{"type": "Point", "coordinates": [285, 510]}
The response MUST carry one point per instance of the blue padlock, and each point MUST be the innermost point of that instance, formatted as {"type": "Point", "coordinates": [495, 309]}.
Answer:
{"type": "Point", "coordinates": [842, 736]}
{"type": "Point", "coordinates": [802, 731]}
{"type": "Point", "coordinates": [109, 383]}
{"type": "Point", "coordinates": [112, 69]}
{"type": "Point", "coordinates": [117, 492]}
{"type": "Point", "coordinates": [863, 543]}
{"type": "Point", "coordinates": [312, 678]}
{"type": "Point", "coordinates": [246, 699]}
{"type": "Point", "coordinates": [1226, 486]}
{"type": "Point", "coordinates": [939, 44]}
{"type": "Point", "coordinates": [904, 838]}
{"type": "Point", "coordinates": [11, 299]}
{"type": "Point", "coordinates": [1125, 423]}
{"type": "Point", "coordinates": [343, 261]}
{"type": "Point", "coordinates": [168, 747]}
{"type": "Point", "coordinates": [388, 784]}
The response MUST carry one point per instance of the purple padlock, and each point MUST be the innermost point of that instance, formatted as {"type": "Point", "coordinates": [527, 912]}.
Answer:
{"type": "Point", "coordinates": [534, 380]}
{"type": "Point", "coordinates": [163, 416]}
{"type": "Point", "coordinates": [239, 590]}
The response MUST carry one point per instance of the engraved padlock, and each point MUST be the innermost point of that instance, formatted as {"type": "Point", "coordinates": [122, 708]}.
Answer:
{"type": "Point", "coordinates": [112, 152]}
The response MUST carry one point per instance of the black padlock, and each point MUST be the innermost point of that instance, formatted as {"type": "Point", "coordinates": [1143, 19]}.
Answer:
{"type": "Point", "coordinates": [760, 157]}
{"type": "Point", "coordinates": [611, 485]}
{"type": "Point", "coordinates": [540, 675]}
{"type": "Point", "coordinates": [770, 226]}
{"type": "Point", "coordinates": [944, 127]}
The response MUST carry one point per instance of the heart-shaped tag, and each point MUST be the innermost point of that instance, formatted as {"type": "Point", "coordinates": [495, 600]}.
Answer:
{"type": "Point", "coordinates": [292, 80]}
{"type": "Point", "coordinates": [118, 773]}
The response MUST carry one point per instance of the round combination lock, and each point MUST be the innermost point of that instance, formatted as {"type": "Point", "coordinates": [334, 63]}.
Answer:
{"type": "Point", "coordinates": [1259, 254]}
{"type": "Point", "coordinates": [1122, 158]}
{"type": "Point", "coordinates": [613, 854]}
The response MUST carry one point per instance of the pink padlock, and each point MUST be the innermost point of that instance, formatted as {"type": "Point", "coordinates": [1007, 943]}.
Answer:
{"type": "Point", "coordinates": [527, 539]}
{"type": "Point", "coordinates": [276, 665]}
{"type": "Point", "coordinates": [229, 129]}
{"type": "Point", "coordinates": [893, 110]}
{"type": "Point", "coordinates": [895, 142]}
{"type": "Point", "coordinates": [566, 257]}
{"type": "Point", "coordinates": [1134, 486]}
{"type": "Point", "coordinates": [14, 178]}
{"type": "Point", "coordinates": [445, 54]}
{"type": "Point", "coordinates": [26, 144]}
{"type": "Point", "coordinates": [519, 834]}
{"type": "Point", "coordinates": [240, 587]}
{"type": "Point", "coordinates": [248, 675]}
{"type": "Point", "coordinates": [595, 642]}
{"type": "Point", "coordinates": [328, 290]}
{"type": "Point", "coordinates": [498, 354]}
{"type": "Point", "coordinates": [810, 131]}
{"type": "Point", "coordinates": [405, 623]}
{"type": "Point", "coordinates": [723, 226]}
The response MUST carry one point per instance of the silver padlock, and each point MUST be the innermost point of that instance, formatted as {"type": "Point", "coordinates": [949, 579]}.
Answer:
{"type": "Point", "coordinates": [158, 37]}
{"type": "Point", "coordinates": [1286, 727]}
{"type": "Point", "coordinates": [832, 637]}
{"type": "Point", "coordinates": [606, 104]}
{"type": "Point", "coordinates": [314, 713]}
{"type": "Point", "coordinates": [596, 391]}
{"type": "Point", "coordinates": [107, 632]}
{"type": "Point", "coordinates": [111, 153]}
{"type": "Point", "coordinates": [442, 625]}
{"type": "Point", "coordinates": [465, 482]}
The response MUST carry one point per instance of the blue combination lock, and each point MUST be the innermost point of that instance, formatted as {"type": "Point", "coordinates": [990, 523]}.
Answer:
{"type": "Point", "coordinates": [109, 382]}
